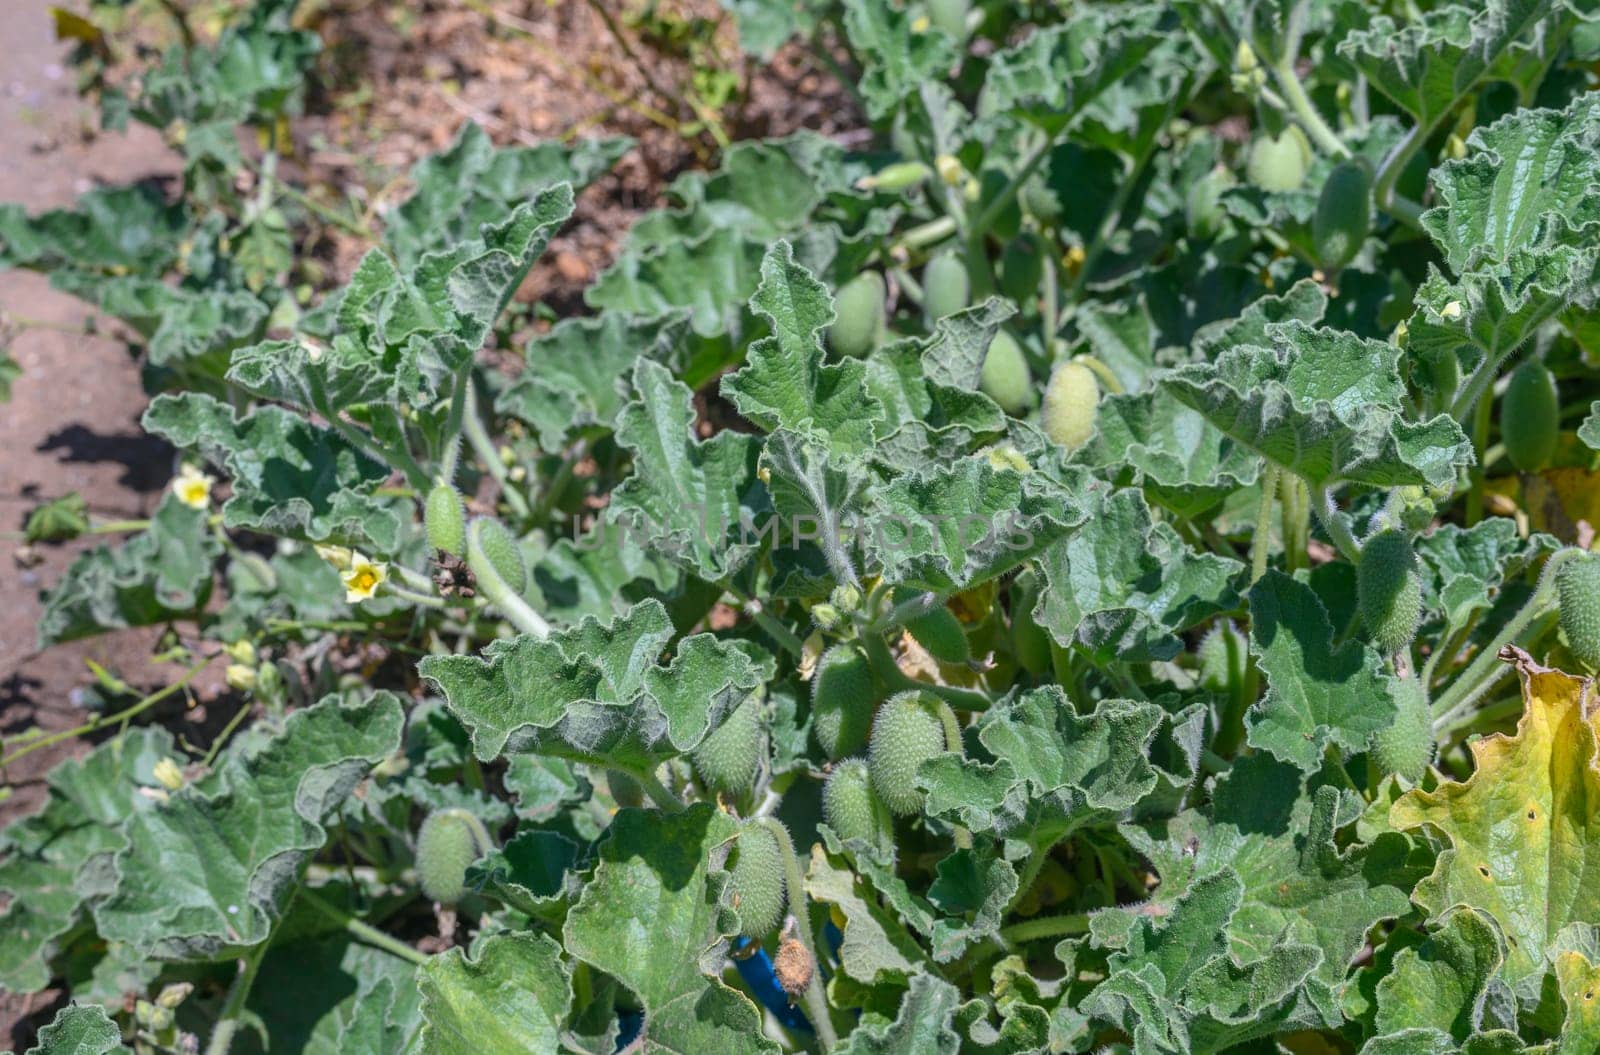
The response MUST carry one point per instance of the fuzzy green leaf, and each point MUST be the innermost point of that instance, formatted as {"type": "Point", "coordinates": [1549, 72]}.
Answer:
{"type": "Point", "coordinates": [922, 1026]}
{"type": "Point", "coordinates": [653, 917]}
{"type": "Point", "coordinates": [594, 692]}
{"type": "Point", "coordinates": [1441, 983]}
{"type": "Point", "coordinates": [1325, 405]}
{"type": "Point", "coordinates": [211, 870]}
{"type": "Point", "coordinates": [79, 1030]}
{"type": "Point", "coordinates": [898, 53]}
{"type": "Point", "coordinates": [512, 998]}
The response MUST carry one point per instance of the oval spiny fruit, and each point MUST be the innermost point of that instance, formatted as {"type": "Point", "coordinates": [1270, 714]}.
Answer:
{"type": "Point", "coordinates": [905, 735]}
{"type": "Point", "coordinates": [950, 16]}
{"type": "Point", "coordinates": [1389, 590]}
{"type": "Point", "coordinates": [1344, 215]}
{"type": "Point", "coordinates": [1040, 201]}
{"type": "Point", "coordinates": [850, 806]}
{"type": "Point", "coordinates": [793, 966]}
{"type": "Point", "coordinates": [1578, 593]}
{"type": "Point", "coordinates": [937, 630]}
{"type": "Point", "coordinates": [446, 520]}
{"type": "Point", "coordinates": [625, 791]}
{"type": "Point", "coordinates": [859, 311]}
{"type": "Point", "coordinates": [726, 759]}
{"type": "Point", "coordinates": [1279, 163]}
{"type": "Point", "coordinates": [1071, 402]}
{"type": "Point", "coordinates": [1221, 656]}
{"type": "Point", "coordinates": [1022, 268]}
{"type": "Point", "coordinates": [756, 880]}
{"type": "Point", "coordinates": [447, 843]}
{"type": "Point", "coordinates": [1005, 378]}
{"type": "Point", "coordinates": [841, 701]}
{"type": "Point", "coordinates": [1406, 746]}
{"type": "Point", "coordinates": [946, 288]}
{"type": "Point", "coordinates": [490, 539]}
{"type": "Point", "coordinates": [1530, 416]}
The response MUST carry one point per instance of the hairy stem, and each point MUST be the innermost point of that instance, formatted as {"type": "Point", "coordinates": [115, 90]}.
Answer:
{"type": "Point", "coordinates": [1334, 525]}
{"type": "Point", "coordinates": [794, 885]}
{"type": "Point", "coordinates": [472, 428]}
{"type": "Point", "coordinates": [233, 1007]}
{"type": "Point", "coordinates": [1046, 927]}
{"type": "Point", "coordinates": [1261, 543]}
{"type": "Point", "coordinates": [362, 931]}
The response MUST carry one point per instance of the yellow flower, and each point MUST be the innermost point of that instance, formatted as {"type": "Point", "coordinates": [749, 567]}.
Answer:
{"type": "Point", "coordinates": [193, 487]}
{"type": "Point", "coordinates": [240, 677]}
{"type": "Point", "coordinates": [363, 578]}
{"type": "Point", "coordinates": [168, 775]}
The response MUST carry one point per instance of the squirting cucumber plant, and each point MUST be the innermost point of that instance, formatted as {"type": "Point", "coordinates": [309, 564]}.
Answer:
{"type": "Point", "coordinates": [1088, 562]}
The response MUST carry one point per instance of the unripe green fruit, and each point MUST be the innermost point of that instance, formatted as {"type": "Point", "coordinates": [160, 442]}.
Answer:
{"type": "Point", "coordinates": [937, 630]}
{"type": "Point", "coordinates": [446, 520]}
{"type": "Point", "coordinates": [851, 807]}
{"type": "Point", "coordinates": [1022, 268]}
{"type": "Point", "coordinates": [1530, 416]}
{"type": "Point", "coordinates": [1071, 402]}
{"type": "Point", "coordinates": [905, 735]}
{"type": "Point", "coordinates": [946, 288]}
{"type": "Point", "coordinates": [1039, 201]}
{"type": "Point", "coordinates": [902, 175]}
{"type": "Point", "coordinates": [1202, 204]}
{"type": "Point", "coordinates": [490, 542]}
{"type": "Point", "coordinates": [625, 791]}
{"type": "Point", "coordinates": [1279, 163]}
{"type": "Point", "coordinates": [841, 701]}
{"type": "Point", "coordinates": [1406, 747]}
{"type": "Point", "coordinates": [1389, 590]}
{"type": "Point", "coordinates": [860, 313]}
{"type": "Point", "coordinates": [726, 760]}
{"type": "Point", "coordinates": [950, 16]}
{"type": "Point", "coordinates": [448, 842]}
{"type": "Point", "coordinates": [1222, 657]}
{"type": "Point", "coordinates": [1005, 377]}
{"type": "Point", "coordinates": [1578, 592]}
{"type": "Point", "coordinates": [756, 880]}
{"type": "Point", "coordinates": [1029, 641]}
{"type": "Point", "coordinates": [1344, 215]}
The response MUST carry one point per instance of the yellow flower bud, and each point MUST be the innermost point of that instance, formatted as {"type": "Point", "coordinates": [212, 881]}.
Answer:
{"type": "Point", "coordinates": [240, 677]}
{"type": "Point", "coordinates": [168, 775]}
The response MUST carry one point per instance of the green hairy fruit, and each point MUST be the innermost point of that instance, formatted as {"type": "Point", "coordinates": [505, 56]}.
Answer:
{"type": "Point", "coordinates": [726, 760]}
{"type": "Point", "coordinates": [625, 790]}
{"type": "Point", "coordinates": [850, 806]}
{"type": "Point", "coordinates": [950, 16]}
{"type": "Point", "coordinates": [1022, 268]}
{"type": "Point", "coordinates": [859, 311]}
{"type": "Point", "coordinates": [946, 287]}
{"type": "Point", "coordinates": [1202, 203]}
{"type": "Point", "coordinates": [1030, 644]}
{"type": "Point", "coordinates": [905, 735]}
{"type": "Point", "coordinates": [1578, 594]}
{"type": "Point", "coordinates": [1071, 403]}
{"type": "Point", "coordinates": [1006, 378]}
{"type": "Point", "coordinates": [1222, 657]}
{"type": "Point", "coordinates": [1405, 748]}
{"type": "Point", "coordinates": [1279, 163]}
{"type": "Point", "coordinates": [490, 546]}
{"type": "Point", "coordinates": [1389, 590]}
{"type": "Point", "coordinates": [937, 630]}
{"type": "Point", "coordinates": [1039, 200]}
{"type": "Point", "coordinates": [755, 870]}
{"type": "Point", "coordinates": [1344, 215]}
{"type": "Point", "coordinates": [842, 695]}
{"type": "Point", "coordinates": [446, 520]}
{"type": "Point", "coordinates": [1530, 416]}
{"type": "Point", "coordinates": [448, 842]}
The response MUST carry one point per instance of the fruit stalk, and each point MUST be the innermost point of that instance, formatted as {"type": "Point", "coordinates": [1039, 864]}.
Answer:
{"type": "Point", "coordinates": [794, 887]}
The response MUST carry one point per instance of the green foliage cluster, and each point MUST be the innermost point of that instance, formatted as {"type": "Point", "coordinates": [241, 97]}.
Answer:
{"type": "Point", "coordinates": [1154, 453]}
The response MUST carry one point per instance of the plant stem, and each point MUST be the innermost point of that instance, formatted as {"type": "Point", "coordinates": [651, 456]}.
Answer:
{"type": "Point", "coordinates": [659, 793]}
{"type": "Point", "coordinates": [952, 743]}
{"type": "Point", "coordinates": [238, 993]}
{"type": "Point", "coordinates": [411, 596]}
{"type": "Point", "coordinates": [452, 424]}
{"type": "Point", "coordinates": [795, 889]}
{"type": "Point", "coordinates": [1384, 183]}
{"type": "Point", "coordinates": [483, 446]}
{"type": "Point", "coordinates": [500, 593]}
{"type": "Point", "coordinates": [1046, 927]}
{"type": "Point", "coordinates": [1108, 378]}
{"type": "Point", "coordinates": [1294, 93]}
{"type": "Point", "coordinates": [936, 230]}
{"type": "Point", "coordinates": [885, 667]}
{"type": "Point", "coordinates": [785, 637]}
{"type": "Point", "coordinates": [1334, 525]}
{"type": "Point", "coordinates": [1482, 419]}
{"type": "Point", "coordinates": [1467, 686]}
{"type": "Point", "coordinates": [102, 721]}
{"type": "Point", "coordinates": [364, 931]}
{"type": "Point", "coordinates": [1261, 544]}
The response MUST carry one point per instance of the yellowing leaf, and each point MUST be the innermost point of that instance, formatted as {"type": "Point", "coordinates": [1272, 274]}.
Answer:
{"type": "Point", "coordinates": [1524, 831]}
{"type": "Point", "coordinates": [1579, 981]}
